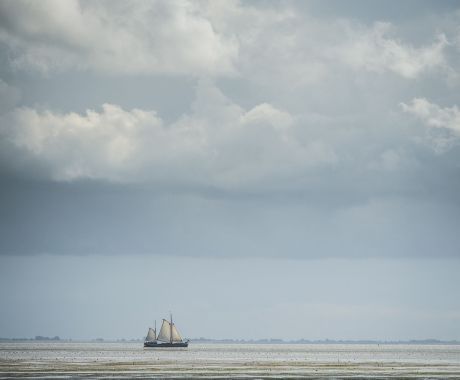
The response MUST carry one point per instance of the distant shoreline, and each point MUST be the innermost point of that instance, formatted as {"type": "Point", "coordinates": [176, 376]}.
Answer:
{"type": "Point", "coordinates": [242, 341]}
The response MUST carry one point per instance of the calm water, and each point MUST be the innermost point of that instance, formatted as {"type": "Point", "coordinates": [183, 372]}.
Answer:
{"type": "Point", "coordinates": [128, 360]}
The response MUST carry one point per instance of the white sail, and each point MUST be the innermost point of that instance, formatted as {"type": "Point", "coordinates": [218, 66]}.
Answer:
{"type": "Point", "coordinates": [175, 334]}
{"type": "Point", "coordinates": [165, 332]}
{"type": "Point", "coordinates": [151, 335]}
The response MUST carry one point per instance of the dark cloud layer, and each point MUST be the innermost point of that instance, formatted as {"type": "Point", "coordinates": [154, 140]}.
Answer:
{"type": "Point", "coordinates": [91, 218]}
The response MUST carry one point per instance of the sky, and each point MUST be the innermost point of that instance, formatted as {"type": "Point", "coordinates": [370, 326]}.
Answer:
{"type": "Point", "coordinates": [263, 169]}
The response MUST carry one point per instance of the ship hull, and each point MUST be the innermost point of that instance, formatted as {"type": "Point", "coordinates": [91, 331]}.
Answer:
{"type": "Point", "coordinates": [165, 344]}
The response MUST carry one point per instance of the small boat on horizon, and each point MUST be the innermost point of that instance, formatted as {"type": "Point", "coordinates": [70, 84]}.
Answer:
{"type": "Point", "coordinates": [168, 337]}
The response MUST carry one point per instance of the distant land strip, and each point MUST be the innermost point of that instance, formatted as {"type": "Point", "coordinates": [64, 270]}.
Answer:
{"type": "Point", "coordinates": [40, 338]}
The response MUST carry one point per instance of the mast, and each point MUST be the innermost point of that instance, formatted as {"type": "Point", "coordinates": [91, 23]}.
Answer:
{"type": "Point", "coordinates": [155, 329]}
{"type": "Point", "coordinates": [170, 329]}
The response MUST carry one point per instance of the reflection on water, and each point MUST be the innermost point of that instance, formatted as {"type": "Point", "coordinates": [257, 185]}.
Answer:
{"type": "Point", "coordinates": [127, 360]}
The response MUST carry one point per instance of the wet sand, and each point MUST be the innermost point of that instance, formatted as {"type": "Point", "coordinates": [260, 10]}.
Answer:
{"type": "Point", "coordinates": [128, 360]}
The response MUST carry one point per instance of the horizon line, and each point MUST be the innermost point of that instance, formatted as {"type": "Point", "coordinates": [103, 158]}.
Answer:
{"type": "Point", "coordinates": [56, 338]}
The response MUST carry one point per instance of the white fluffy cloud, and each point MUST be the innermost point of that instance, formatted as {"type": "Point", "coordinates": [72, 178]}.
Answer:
{"type": "Point", "coordinates": [295, 47]}
{"type": "Point", "coordinates": [374, 50]}
{"type": "Point", "coordinates": [443, 123]}
{"type": "Point", "coordinates": [70, 146]}
{"type": "Point", "coordinates": [151, 37]}
{"type": "Point", "coordinates": [203, 38]}
{"type": "Point", "coordinates": [313, 99]}
{"type": "Point", "coordinates": [218, 143]}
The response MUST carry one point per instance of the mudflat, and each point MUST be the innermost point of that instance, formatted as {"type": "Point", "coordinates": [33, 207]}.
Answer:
{"type": "Point", "coordinates": [262, 361]}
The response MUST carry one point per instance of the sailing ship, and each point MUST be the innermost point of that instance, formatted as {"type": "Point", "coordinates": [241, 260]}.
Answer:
{"type": "Point", "coordinates": [168, 337]}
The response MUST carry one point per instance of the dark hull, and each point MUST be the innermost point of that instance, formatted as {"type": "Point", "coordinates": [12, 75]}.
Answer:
{"type": "Point", "coordinates": [165, 345]}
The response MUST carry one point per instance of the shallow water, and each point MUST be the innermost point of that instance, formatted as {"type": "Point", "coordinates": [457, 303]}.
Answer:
{"type": "Point", "coordinates": [130, 360]}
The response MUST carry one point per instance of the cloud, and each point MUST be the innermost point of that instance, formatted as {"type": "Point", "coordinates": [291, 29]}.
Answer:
{"type": "Point", "coordinates": [115, 37]}
{"type": "Point", "coordinates": [71, 146]}
{"type": "Point", "coordinates": [293, 131]}
{"type": "Point", "coordinates": [218, 143]}
{"type": "Point", "coordinates": [180, 37]}
{"type": "Point", "coordinates": [9, 96]}
{"type": "Point", "coordinates": [443, 123]}
{"type": "Point", "coordinates": [288, 46]}
{"type": "Point", "coordinates": [375, 51]}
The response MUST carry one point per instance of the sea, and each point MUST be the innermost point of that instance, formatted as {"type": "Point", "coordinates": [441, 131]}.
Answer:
{"type": "Point", "coordinates": [72, 360]}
